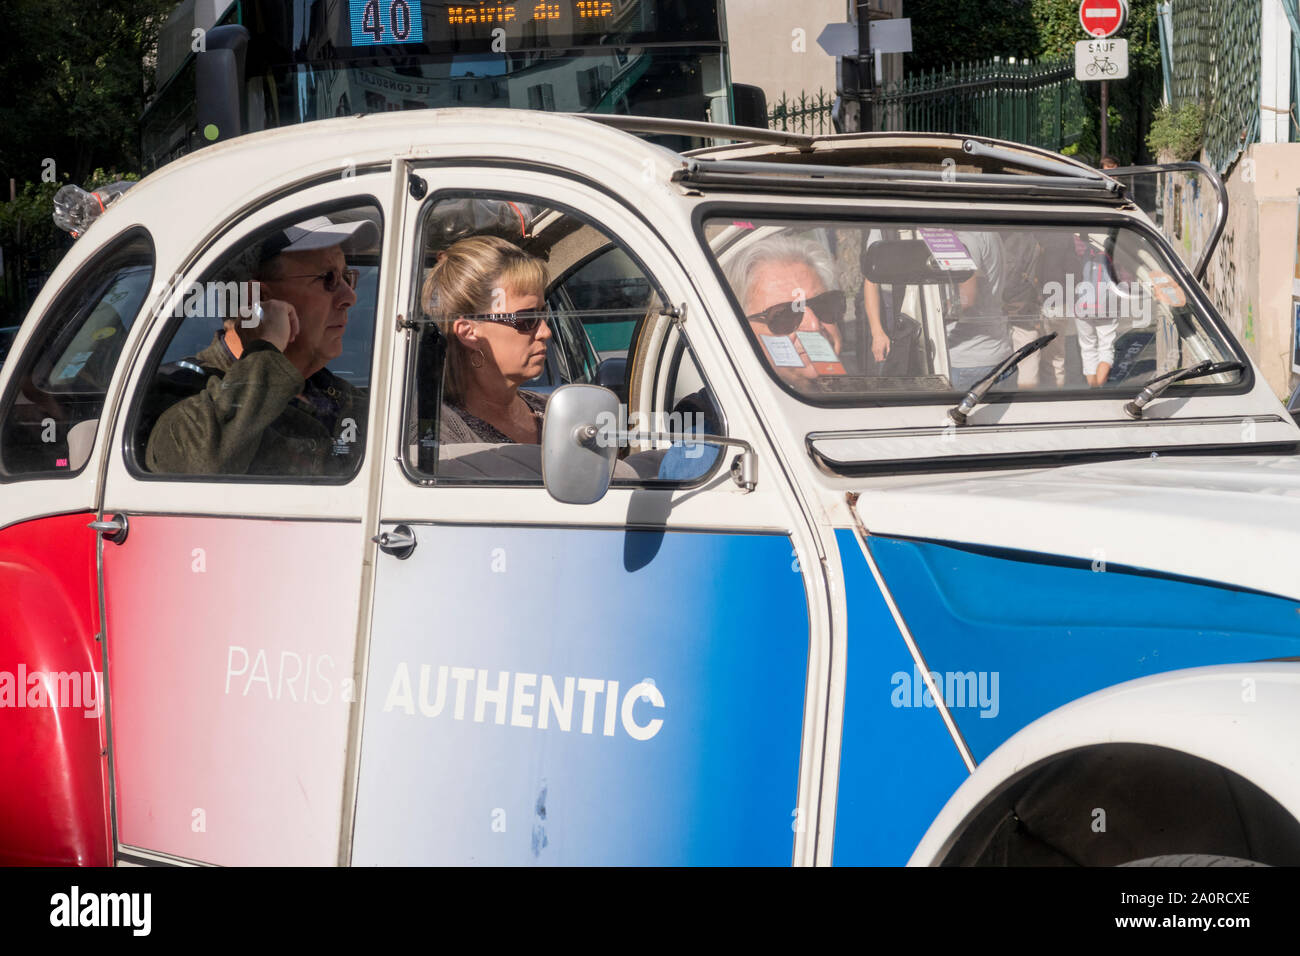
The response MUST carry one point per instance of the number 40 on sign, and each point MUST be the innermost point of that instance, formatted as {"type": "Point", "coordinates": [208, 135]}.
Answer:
{"type": "Point", "coordinates": [376, 22]}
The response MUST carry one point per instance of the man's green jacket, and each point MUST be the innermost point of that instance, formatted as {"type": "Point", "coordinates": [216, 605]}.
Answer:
{"type": "Point", "coordinates": [258, 416]}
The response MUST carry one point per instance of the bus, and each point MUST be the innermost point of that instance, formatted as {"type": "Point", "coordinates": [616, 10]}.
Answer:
{"type": "Point", "coordinates": [226, 68]}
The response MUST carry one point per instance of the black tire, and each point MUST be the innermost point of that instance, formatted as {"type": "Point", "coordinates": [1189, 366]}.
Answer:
{"type": "Point", "coordinates": [1192, 859]}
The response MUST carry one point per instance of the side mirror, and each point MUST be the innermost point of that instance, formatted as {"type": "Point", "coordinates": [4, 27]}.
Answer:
{"type": "Point", "coordinates": [579, 446]}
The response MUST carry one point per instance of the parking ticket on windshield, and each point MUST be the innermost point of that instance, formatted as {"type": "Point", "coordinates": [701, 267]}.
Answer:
{"type": "Point", "coordinates": [782, 351]}
{"type": "Point", "coordinates": [948, 251]}
{"type": "Point", "coordinates": [820, 353]}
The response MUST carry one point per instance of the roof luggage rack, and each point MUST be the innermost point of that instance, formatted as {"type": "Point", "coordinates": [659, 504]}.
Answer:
{"type": "Point", "coordinates": [705, 174]}
{"type": "Point", "coordinates": [1049, 179]}
{"type": "Point", "coordinates": [675, 127]}
{"type": "Point", "coordinates": [974, 147]}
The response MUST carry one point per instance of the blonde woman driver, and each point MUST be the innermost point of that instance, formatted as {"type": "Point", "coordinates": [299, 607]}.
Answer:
{"type": "Point", "coordinates": [488, 299]}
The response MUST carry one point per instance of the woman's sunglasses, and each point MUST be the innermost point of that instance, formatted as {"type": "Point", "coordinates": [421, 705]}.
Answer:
{"type": "Point", "coordinates": [330, 280]}
{"type": "Point", "coordinates": [526, 322]}
{"type": "Point", "coordinates": [784, 317]}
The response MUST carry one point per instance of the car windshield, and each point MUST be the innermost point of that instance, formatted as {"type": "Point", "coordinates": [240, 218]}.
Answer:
{"type": "Point", "coordinates": [869, 312]}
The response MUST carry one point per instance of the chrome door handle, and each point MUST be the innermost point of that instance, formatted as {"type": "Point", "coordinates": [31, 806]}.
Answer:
{"type": "Point", "coordinates": [113, 529]}
{"type": "Point", "coordinates": [399, 542]}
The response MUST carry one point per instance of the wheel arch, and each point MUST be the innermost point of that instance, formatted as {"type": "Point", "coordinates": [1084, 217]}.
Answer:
{"type": "Point", "coordinates": [1114, 803]}
{"type": "Point", "coordinates": [1195, 761]}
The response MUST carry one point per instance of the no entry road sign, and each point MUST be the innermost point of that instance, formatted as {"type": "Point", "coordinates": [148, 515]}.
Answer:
{"type": "Point", "coordinates": [1102, 18]}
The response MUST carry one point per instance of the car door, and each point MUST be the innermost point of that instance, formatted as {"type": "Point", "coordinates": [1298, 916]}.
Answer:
{"type": "Point", "coordinates": [231, 594]}
{"type": "Point", "coordinates": [56, 383]}
{"type": "Point", "coordinates": [622, 682]}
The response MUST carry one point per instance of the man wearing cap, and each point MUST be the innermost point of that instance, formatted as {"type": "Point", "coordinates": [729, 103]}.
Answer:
{"type": "Point", "coordinates": [270, 406]}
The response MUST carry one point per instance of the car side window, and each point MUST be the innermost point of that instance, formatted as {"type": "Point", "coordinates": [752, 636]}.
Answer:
{"type": "Point", "coordinates": [611, 292]}
{"type": "Point", "coordinates": [517, 298]}
{"type": "Point", "coordinates": [56, 396]}
{"type": "Point", "coordinates": [264, 372]}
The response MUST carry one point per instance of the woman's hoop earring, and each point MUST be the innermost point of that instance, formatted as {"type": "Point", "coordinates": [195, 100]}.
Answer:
{"type": "Point", "coordinates": [479, 363]}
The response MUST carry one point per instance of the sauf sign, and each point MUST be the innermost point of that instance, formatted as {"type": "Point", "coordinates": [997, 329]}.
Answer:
{"type": "Point", "coordinates": [1101, 60]}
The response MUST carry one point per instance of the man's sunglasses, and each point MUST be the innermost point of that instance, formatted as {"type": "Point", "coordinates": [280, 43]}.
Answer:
{"type": "Point", "coordinates": [784, 317]}
{"type": "Point", "coordinates": [526, 322]}
{"type": "Point", "coordinates": [331, 279]}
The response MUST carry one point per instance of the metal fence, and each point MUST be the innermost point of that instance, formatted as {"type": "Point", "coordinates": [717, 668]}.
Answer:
{"type": "Point", "coordinates": [1038, 103]}
{"type": "Point", "coordinates": [1215, 54]}
{"type": "Point", "coordinates": [810, 113]}
{"type": "Point", "coordinates": [26, 261]}
{"type": "Point", "coordinates": [24, 267]}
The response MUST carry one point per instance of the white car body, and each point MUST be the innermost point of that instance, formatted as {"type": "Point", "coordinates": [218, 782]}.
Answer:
{"type": "Point", "coordinates": [799, 705]}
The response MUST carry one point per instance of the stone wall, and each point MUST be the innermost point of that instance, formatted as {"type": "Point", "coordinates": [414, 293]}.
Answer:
{"type": "Point", "coordinates": [1251, 276]}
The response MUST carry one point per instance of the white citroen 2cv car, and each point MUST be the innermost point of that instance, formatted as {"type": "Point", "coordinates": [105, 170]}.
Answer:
{"type": "Point", "coordinates": [862, 499]}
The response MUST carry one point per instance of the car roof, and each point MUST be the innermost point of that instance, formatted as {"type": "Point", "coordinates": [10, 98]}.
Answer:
{"type": "Point", "coordinates": [209, 189]}
{"type": "Point", "coordinates": [205, 191]}
{"type": "Point", "coordinates": [356, 141]}
{"type": "Point", "coordinates": [367, 138]}
{"type": "Point", "coordinates": [899, 149]}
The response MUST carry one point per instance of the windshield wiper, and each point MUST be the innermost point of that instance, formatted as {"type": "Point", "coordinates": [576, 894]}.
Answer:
{"type": "Point", "coordinates": [1152, 390]}
{"type": "Point", "coordinates": [976, 393]}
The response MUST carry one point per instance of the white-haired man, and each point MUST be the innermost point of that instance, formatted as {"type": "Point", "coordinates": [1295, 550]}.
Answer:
{"type": "Point", "coordinates": [785, 285]}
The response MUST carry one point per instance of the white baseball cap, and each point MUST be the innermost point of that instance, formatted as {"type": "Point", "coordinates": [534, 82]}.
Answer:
{"type": "Point", "coordinates": [320, 232]}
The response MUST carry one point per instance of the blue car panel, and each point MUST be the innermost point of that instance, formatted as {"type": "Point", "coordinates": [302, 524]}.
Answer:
{"type": "Point", "coordinates": [1037, 633]}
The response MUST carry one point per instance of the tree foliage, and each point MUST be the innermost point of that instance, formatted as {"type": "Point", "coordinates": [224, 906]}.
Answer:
{"type": "Point", "coordinates": [74, 78]}
{"type": "Point", "coordinates": [1056, 23]}
{"type": "Point", "coordinates": [73, 82]}
{"type": "Point", "coordinates": [1179, 132]}
{"type": "Point", "coordinates": [1132, 101]}
{"type": "Point", "coordinates": [32, 243]}
{"type": "Point", "coordinates": [946, 32]}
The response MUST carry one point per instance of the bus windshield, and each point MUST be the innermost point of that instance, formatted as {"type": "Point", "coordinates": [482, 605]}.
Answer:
{"type": "Point", "coordinates": [315, 60]}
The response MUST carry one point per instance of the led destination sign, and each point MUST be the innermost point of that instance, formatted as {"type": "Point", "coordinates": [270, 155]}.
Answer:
{"type": "Point", "coordinates": [597, 12]}
{"type": "Point", "coordinates": [497, 27]}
